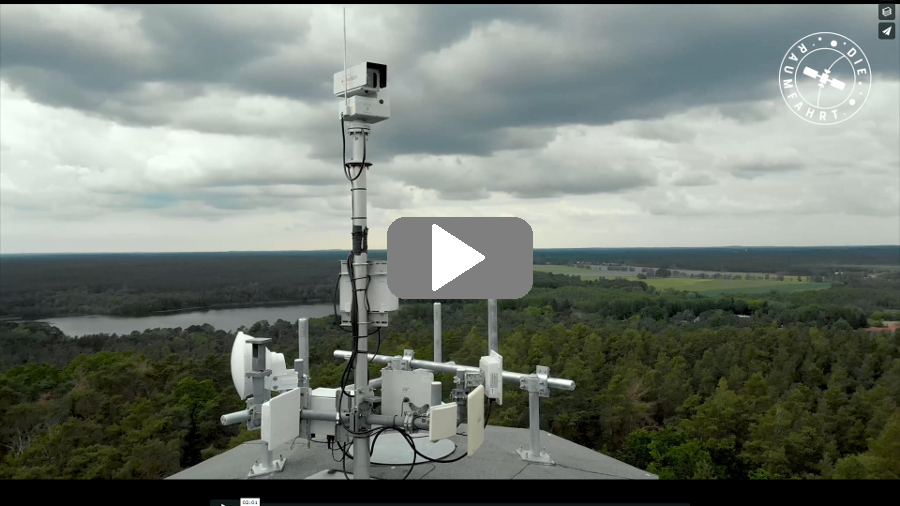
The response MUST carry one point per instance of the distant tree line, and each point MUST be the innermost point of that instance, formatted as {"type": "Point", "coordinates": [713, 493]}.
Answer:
{"type": "Point", "coordinates": [814, 261]}
{"type": "Point", "coordinates": [38, 286]}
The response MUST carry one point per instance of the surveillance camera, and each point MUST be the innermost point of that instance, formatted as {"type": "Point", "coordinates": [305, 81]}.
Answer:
{"type": "Point", "coordinates": [365, 79]}
{"type": "Point", "coordinates": [367, 93]}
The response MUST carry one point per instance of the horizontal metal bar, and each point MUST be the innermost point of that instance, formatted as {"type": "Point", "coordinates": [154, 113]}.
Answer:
{"type": "Point", "coordinates": [394, 421]}
{"type": "Point", "coordinates": [235, 418]}
{"type": "Point", "coordinates": [509, 376]}
{"type": "Point", "coordinates": [320, 416]}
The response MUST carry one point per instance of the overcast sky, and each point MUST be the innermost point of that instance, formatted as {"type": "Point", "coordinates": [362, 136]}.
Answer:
{"type": "Point", "coordinates": [205, 128]}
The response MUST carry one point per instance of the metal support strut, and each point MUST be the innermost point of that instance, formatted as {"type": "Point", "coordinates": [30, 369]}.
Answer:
{"type": "Point", "coordinates": [537, 386]}
{"type": "Point", "coordinates": [267, 464]}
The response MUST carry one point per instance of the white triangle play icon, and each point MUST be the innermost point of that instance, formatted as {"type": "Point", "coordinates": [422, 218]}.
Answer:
{"type": "Point", "coordinates": [450, 257]}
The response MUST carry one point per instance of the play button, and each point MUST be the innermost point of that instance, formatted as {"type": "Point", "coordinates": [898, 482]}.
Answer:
{"type": "Point", "coordinates": [453, 257]}
{"type": "Point", "coordinates": [460, 258]}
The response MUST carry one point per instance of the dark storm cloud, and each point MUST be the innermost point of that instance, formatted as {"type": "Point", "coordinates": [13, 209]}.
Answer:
{"type": "Point", "coordinates": [597, 65]}
{"type": "Point", "coordinates": [648, 61]}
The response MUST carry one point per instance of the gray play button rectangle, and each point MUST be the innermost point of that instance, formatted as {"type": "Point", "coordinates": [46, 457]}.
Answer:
{"type": "Point", "coordinates": [460, 258]}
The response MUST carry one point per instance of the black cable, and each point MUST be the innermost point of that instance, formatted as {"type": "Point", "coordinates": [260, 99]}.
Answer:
{"type": "Point", "coordinates": [402, 432]}
{"type": "Point", "coordinates": [354, 325]}
{"type": "Point", "coordinates": [344, 462]}
{"type": "Point", "coordinates": [377, 348]}
{"type": "Point", "coordinates": [412, 444]}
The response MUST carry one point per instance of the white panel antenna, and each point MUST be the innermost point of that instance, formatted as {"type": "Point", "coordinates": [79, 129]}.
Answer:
{"type": "Point", "coordinates": [442, 422]}
{"type": "Point", "coordinates": [475, 422]}
{"type": "Point", "coordinates": [281, 419]}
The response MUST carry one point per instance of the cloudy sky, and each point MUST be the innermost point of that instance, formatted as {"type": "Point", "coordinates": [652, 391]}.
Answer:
{"type": "Point", "coordinates": [211, 128]}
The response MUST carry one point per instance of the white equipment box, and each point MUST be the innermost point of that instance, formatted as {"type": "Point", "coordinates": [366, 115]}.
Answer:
{"type": "Point", "coordinates": [381, 300]}
{"type": "Point", "coordinates": [399, 385]}
{"type": "Point", "coordinates": [325, 399]}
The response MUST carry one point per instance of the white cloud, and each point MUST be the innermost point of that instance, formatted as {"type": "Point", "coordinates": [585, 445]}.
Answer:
{"type": "Point", "coordinates": [231, 156]}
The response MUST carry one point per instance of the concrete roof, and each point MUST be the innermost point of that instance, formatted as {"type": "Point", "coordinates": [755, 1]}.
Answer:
{"type": "Point", "coordinates": [496, 459]}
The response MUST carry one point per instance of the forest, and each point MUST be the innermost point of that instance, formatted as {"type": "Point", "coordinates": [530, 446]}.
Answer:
{"type": "Point", "coordinates": [767, 386]}
{"type": "Point", "coordinates": [141, 284]}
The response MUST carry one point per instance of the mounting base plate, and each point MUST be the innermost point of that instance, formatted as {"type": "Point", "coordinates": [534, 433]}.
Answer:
{"type": "Point", "coordinates": [261, 469]}
{"type": "Point", "coordinates": [542, 458]}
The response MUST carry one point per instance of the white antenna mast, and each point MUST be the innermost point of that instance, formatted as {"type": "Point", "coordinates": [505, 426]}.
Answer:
{"type": "Point", "coordinates": [346, 97]}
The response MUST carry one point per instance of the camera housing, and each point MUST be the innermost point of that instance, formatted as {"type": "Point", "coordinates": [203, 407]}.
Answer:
{"type": "Point", "coordinates": [367, 93]}
{"type": "Point", "coordinates": [365, 79]}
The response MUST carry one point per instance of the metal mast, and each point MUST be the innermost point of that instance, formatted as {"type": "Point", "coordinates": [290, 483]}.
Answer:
{"type": "Point", "coordinates": [360, 272]}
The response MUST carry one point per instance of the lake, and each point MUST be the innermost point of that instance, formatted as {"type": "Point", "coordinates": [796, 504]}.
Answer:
{"type": "Point", "coordinates": [224, 319]}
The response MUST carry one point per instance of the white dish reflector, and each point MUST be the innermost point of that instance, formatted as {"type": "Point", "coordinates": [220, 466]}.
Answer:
{"type": "Point", "coordinates": [241, 357]}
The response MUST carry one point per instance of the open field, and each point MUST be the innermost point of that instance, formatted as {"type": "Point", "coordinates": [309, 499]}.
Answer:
{"type": "Point", "coordinates": [703, 286]}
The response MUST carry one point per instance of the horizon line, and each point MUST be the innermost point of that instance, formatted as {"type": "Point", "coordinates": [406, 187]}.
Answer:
{"type": "Point", "coordinates": [385, 249]}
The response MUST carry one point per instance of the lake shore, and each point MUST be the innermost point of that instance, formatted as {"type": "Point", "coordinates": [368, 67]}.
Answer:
{"type": "Point", "coordinates": [232, 305]}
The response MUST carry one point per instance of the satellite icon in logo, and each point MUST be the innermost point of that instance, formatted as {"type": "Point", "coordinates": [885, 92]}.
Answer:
{"type": "Point", "coordinates": [825, 78]}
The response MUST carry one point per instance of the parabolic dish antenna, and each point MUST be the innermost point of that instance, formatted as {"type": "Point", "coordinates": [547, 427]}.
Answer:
{"type": "Point", "coordinates": [241, 356]}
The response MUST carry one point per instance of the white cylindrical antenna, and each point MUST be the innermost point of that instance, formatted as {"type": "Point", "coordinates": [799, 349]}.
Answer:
{"type": "Point", "coordinates": [303, 338]}
{"type": "Point", "coordinates": [346, 100]}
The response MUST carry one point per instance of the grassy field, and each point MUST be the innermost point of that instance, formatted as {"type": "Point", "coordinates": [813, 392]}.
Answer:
{"type": "Point", "coordinates": [703, 286]}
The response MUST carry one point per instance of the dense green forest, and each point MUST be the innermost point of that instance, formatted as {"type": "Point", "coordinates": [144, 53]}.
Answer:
{"type": "Point", "coordinates": [675, 383]}
{"type": "Point", "coordinates": [41, 286]}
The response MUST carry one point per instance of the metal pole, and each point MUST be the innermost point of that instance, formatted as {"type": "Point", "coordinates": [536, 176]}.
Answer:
{"type": "Point", "coordinates": [360, 273]}
{"type": "Point", "coordinates": [493, 343]}
{"type": "Point", "coordinates": [534, 419]}
{"type": "Point", "coordinates": [508, 376]}
{"type": "Point", "coordinates": [261, 396]}
{"type": "Point", "coordinates": [303, 336]}
{"type": "Point", "coordinates": [437, 332]}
